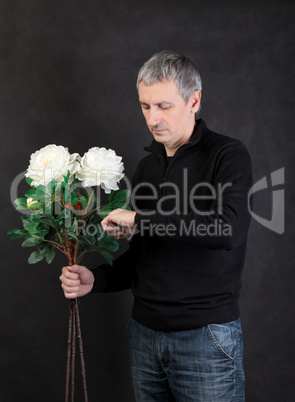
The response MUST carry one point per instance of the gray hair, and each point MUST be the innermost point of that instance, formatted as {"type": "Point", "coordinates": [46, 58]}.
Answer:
{"type": "Point", "coordinates": [171, 66]}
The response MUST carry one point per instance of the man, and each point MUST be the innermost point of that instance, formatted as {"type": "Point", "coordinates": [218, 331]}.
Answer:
{"type": "Point", "coordinates": [184, 263]}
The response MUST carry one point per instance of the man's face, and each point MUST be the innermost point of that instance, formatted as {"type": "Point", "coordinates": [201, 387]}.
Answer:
{"type": "Point", "coordinates": [169, 119]}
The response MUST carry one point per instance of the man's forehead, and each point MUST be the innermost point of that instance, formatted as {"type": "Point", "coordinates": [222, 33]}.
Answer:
{"type": "Point", "coordinates": [159, 92]}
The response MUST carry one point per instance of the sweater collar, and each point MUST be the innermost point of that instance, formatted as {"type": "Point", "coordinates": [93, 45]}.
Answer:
{"type": "Point", "coordinates": [198, 137]}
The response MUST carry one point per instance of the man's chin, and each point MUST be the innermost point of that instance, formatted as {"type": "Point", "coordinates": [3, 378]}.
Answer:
{"type": "Point", "coordinates": [159, 138]}
{"type": "Point", "coordinates": [159, 134]}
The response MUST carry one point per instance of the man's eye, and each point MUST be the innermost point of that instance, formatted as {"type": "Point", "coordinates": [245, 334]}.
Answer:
{"type": "Point", "coordinates": [165, 107]}
{"type": "Point", "coordinates": [145, 107]}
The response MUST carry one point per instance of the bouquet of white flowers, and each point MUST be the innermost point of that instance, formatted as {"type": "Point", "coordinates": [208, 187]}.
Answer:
{"type": "Point", "coordinates": [63, 212]}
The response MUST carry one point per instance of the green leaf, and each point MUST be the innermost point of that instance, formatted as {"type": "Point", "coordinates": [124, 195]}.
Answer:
{"type": "Point", "coordinates": [65, 219]}
{"type": "Point", "coordinates": [42, 194]}
{"type": "Point", "coordinates": [121, 195]}
{"type": "Point", "coordinates": [66, 193]}
{"type": "Point", "coordinates": [109, 244]}
{"type": "Point", "coordinates": [18, 233]}
{"type": "Point", "coordinates": [83, 240]}
{"type": "Point", "coordinates": [41, 189]}
{"type": "Point", "coordinates": [36, 205]}
{"type": "Point", "coordinates": [112, 195]}
{"type": "Point", "coordinates": [74, 199]}
{"type": "Point", "coordinates": [40, 234]}
{"type": "Point", "coordinates": [33, 228]}
{"type": "Point", "coordinates": [107, 256]}
{"type": "Point", "coordinates": [45, 220]}
{"type": "Point", "coordinates": [50, 254]}
{"type": "Point", "coordinates": [49, 208]}
{"type": "Point", "coordinates": [118, 200]}
{"type": "Point", "coordinates": [21, 203]}
{"type": "Point", "coordinates": [73, 228]}
{"type": "Point", "coordinates": [17, 237]}
{"type": "Point", "coordinates": [26, 221]}
{"type": "Point", "coordinates": [36, 196]}
{"type": "Point", "coordinates": [51, 186]}
{"type": "Point", "coordinates": [29, 181]}
{"type": "Point", "coordinates": [66, 178]}
{"type": "Point", "coordinates": [91, 239]}
{"type": "Point", "coordinates": [30, 193]}
{"type": "Point", "coordinates": [56, 237]}
{"type": "Point", "coordinates": [30, 242]}
{"type": "Point", "coordinates": [83, 201]}
{"type": "Point", "coordinates": [72, 235]}
{"type": "Point", "coordinates": [15, 231]}
{"type": "Point", "coordinates": [65, 213]}
{"type": "Point", "coordinates": [37, 256]}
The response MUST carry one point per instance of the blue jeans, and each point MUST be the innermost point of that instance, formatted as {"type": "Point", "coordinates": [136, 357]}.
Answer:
{"type": "Point", "coordinates": [203, 364]}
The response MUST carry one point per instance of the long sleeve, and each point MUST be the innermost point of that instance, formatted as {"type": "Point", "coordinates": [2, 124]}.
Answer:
{"type": "Point", "coordinates": [225, 223]}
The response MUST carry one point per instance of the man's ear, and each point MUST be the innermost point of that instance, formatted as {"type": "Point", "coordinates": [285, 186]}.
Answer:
{"type": "Point", "coordinates": [195, 101]}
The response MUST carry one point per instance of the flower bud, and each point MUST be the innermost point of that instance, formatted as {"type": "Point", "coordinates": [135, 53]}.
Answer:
{"type": "Point", "coordinates": [30, 203]}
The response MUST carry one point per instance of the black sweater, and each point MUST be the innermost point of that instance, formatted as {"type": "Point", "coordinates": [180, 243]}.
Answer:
{"type": "Point", "coordinates": [185, 266]}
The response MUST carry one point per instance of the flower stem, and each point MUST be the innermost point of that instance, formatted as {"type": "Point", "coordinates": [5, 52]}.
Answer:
{"type": "Point", "coordinates": [73, 354]}
{"type": "Point", "coordinates": [68, 250]}
{"type": "Point", "coordinates": [73, 333]}
{"type": "Point", "coordinates": [69, 352]}
{"type": "Point", "coordinates": [81, 351]}
{"type": "Point", "coordinates": [88, 203]}
{"type": "Point", "coordinates": [75, 251]}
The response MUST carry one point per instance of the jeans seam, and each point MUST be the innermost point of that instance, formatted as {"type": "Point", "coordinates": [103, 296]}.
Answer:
{"type": "Point", "coordinates": [234, 341]}
{"type": "Point", "coordinates": [239, 333]}
{"type": "Point", "coordinates": [216, 344]}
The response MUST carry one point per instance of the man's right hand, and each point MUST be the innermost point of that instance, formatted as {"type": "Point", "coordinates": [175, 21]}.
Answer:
{"type": "Point", "coordinates": [76, 281]}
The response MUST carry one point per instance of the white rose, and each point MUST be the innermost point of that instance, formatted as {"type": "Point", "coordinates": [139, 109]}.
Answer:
{"type": "Point", "coordinates": [52, 162]}
{"type": "Point", "coordinates": [101, 167]}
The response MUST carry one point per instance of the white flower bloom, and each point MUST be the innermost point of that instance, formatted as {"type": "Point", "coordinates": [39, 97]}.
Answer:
{"type": "Point", "coordinates": [101, 167]}
{"type": "Point", "coordinates": [52, 162]}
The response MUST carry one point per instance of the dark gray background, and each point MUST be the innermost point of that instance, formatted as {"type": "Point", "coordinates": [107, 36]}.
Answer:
{"type": "Point", "coordinates": [67, 76]}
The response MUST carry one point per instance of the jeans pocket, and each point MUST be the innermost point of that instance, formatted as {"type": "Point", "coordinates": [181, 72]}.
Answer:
{"type": "Point", "coordinates": [221, 338]}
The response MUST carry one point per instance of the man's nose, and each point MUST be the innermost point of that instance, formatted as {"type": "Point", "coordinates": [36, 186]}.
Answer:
{"type": "Point", "coordinates": [154, 117]}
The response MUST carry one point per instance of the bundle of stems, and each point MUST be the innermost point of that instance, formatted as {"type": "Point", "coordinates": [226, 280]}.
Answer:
{"type": "Point", "coordinates": [74, 332]}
